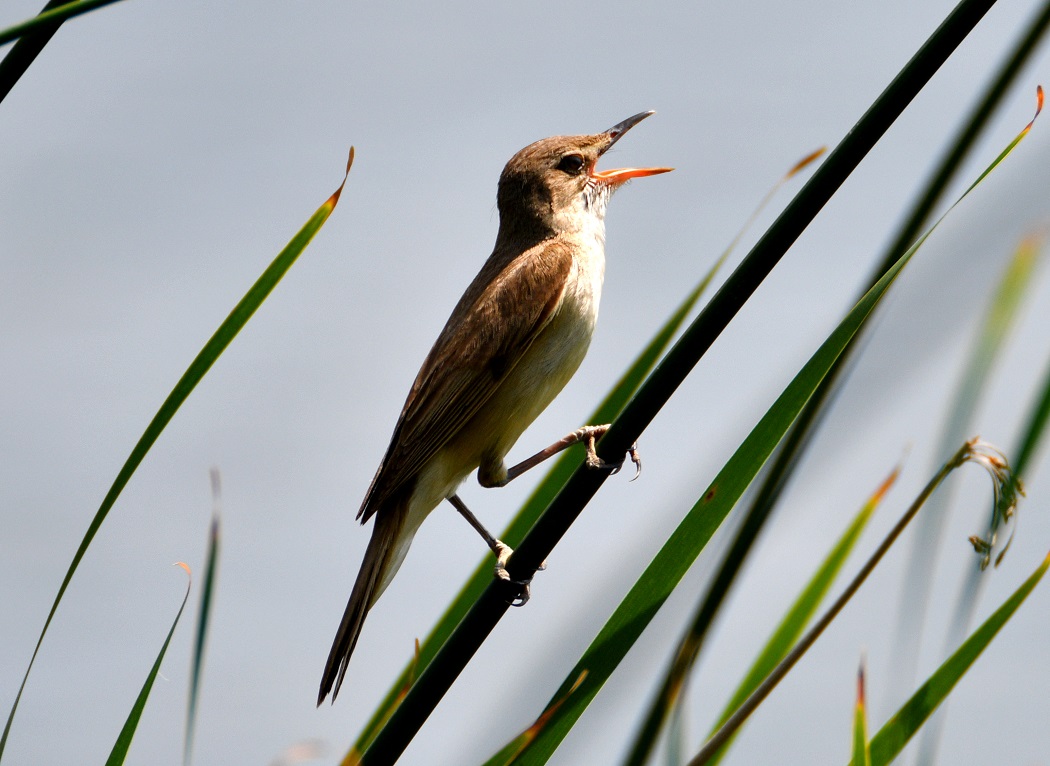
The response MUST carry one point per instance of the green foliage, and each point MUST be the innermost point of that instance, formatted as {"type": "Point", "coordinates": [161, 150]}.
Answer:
{"type": "Point", "coordinates": [127, 733]}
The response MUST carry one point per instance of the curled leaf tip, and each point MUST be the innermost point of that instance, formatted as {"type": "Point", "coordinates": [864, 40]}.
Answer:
{"type": "Point", "coordinates": [1038, 108]}
{"type": "Point", "coordinates": [1006, 489]}
{"type": "Point", "coordinates": [334, 199]}
{"type": "Point", "coordinates": [184, 565]}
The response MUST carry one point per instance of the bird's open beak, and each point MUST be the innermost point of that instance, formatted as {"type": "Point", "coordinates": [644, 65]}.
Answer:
{"type": "Point", "coordinates": [620, 175]}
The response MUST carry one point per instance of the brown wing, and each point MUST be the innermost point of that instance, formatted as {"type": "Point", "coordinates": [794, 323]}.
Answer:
{"type": "Point", "coordinates": [499, 316]}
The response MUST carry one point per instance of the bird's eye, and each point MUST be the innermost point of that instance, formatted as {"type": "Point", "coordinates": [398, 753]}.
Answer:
{"type": "Point", "coordinates": [571, 164]}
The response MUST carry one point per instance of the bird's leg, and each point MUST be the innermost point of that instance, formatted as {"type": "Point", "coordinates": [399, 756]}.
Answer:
{"type": "Point", "coordinates": [500, 548]}
{"type": "Point", "coordinates": [587, 434]}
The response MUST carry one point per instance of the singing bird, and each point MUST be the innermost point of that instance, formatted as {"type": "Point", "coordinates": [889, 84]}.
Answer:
{"type": "Point", "coordinates": [514, 340]}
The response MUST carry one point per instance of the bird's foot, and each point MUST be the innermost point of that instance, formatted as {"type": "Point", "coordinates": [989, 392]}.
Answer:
{"type": "Point", "coordinates": [596, 463]}
{"type": "Point", "coordinates": [503, 553]}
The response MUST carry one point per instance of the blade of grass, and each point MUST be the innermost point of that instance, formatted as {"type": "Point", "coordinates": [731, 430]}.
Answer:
{"type": "Point", "coordinates": [211, 559]}
{"type": "Point", "coordinates": [24, 52]}
{"type": "Point", "coordinates": [215, 346]}
{"type": "Point", "coordinates": [894, 735]}
{"type": "Point", "coordinates": [974, 451]}
{"type": "Point", "coordinates": [1035, 427]}
{"type": "Point", "coordinates": [50, 18]}
{"type": "Point", "coordinates": [34, 36]}
{"type": "Point", "coordinates": [120, 747]}
{"type": "Point", "coordinates": [513, 749]}
{"type": "Point", "coordinates": [668, 375]}
{"type": "Point", "coordinates": [562, 467]}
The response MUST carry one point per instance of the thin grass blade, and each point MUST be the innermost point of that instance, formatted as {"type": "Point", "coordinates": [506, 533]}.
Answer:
{"type": "Point", "coordinates": [52, 15]}
{"type": "Point", "coordinates": [24, 52]}
{"type": "Point", "coordinates": [215, 346]}
{"type": "Point", "coordinates": [123, 743]}
{"type": "Point", "coordinates": [891, 738]}
{"type": "Point", "coordinates": [1012, 290]}
{"type": "Point", "coordinates": [211, 565]}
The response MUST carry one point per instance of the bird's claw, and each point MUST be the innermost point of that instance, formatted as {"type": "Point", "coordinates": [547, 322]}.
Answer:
{"type": "Point", "coordinates": [596, 463]}
{"type": "Point", "coordinates": [503, 552]}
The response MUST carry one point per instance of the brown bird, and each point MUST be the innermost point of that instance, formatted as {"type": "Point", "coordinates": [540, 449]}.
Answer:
{"type": "Point", "coordinates": [514, 340]}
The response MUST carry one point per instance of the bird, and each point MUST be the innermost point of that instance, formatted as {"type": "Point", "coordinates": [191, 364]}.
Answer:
{"type": "Point", "coordinates": [514, 339]}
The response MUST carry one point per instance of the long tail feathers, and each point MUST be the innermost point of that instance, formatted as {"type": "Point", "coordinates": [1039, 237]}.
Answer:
{"type": "Point", "coordinates": [379, 556]}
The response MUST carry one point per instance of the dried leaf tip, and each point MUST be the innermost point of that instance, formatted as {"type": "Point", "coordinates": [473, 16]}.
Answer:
{"type": "Point", "coordinates": [334, 199]}
{"type": "Point", "coordinates": [1038, 108]}
{"type": "Point", "coordinates": [860, 684]}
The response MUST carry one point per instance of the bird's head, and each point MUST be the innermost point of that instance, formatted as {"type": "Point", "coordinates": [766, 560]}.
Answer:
{"type": "Point", "coordinates": [555, 179]}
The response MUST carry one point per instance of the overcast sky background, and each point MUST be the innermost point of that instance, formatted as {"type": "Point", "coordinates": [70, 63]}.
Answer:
{"type": "Point", "coordinates": [158, 155]}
